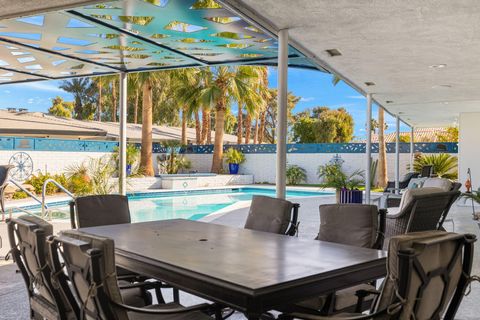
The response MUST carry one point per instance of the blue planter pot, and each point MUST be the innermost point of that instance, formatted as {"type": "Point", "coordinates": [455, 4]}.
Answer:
{"type": "Point", "coordinates": [129, 169]}
{"type": "Point", "coordinates": [233, 168]}
{"type": "Point", "coordinates": [351, 196]}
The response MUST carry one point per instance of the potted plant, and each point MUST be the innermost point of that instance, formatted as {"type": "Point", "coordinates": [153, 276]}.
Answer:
{"type": "Point", "coordinates": [332, 176]}
{"type": "Point", "coordinates": [234, 158]}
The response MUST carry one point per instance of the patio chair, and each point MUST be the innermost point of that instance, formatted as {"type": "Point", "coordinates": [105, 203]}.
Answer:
{"type": "Point", "coordinates": [428, 274]}
{"type": "Point", "coordinates": [403, 183]}
{"type": "Point", "coordinates": [360, 225]}
{"type": "Point", "coordinates": [101, 210]}
{"type": "Point", "coordinates": [421, 209]}
{"type": "Point", "coordinates": [4, 170]}
{"type": "Point", "coordinates": [27, 235]}
{"type": "Point", "coordinates": [273, 215]}
{"type": "Point", "coordinates": [89, 262]}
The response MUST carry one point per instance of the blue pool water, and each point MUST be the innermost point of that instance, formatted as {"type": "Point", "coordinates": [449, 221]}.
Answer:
{"type": "Point", "coordinates": [189, 204]}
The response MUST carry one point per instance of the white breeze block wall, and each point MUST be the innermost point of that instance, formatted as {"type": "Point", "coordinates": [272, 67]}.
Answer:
{"type": "Point", "coordinates": [52, 161]}
{"type": "Point", "coordinates": [262, 165]}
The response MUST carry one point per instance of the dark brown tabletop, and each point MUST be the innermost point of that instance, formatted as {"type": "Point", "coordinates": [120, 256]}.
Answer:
{"type": "Point", "coordinates": [248, 270]}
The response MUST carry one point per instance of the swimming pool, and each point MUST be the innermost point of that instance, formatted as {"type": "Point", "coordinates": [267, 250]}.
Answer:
{"type": "Point", "coordinates": [188, 204]}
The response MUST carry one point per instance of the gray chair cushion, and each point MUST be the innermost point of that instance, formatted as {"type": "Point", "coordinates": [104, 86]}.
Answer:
{"type": "Point", "coordinates": [444, 184]}
{"type": "Point", "coordinates": [416, 183]}
{"type": "Point", "coordinates": [350, 224]}
{"type": "Point", "coordinates": [433, 257]}
{"type": "Point", "coordinates": [196, 315]}
{"type": "Point", "coordinates": [269, 214]}
{"type": "Point", "coordinates": [100, 210]}
{"type": "Point", "coordinates": [408, 196]}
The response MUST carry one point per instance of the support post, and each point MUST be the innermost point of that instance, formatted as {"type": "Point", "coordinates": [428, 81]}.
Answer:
{"type": "Point", "coordinates": [397, 154]}
{"type": "Point", "coordinates": [412, 147]}
{"type": "Point", "coordinates": [281, 177]}
{"type": "Point", "coordinates": [368, 150]}
{"type": "Point", "coordinates": [122, 165]}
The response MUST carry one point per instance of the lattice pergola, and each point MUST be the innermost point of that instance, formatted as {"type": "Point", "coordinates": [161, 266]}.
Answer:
{"type": "Point", "coordinates": [132, 36]}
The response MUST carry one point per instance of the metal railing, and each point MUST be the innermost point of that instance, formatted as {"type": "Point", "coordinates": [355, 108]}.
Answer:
{"type": "Point", "coordinates": [44, 191]}
{"type": "Point", "coordinates": [31, 195]}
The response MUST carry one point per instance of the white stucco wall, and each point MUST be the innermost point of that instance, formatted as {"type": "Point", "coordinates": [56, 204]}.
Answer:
{"type": "Point", "coordinates": [52, 161]}
{"type": "Point", "coordinates": [469, 147]}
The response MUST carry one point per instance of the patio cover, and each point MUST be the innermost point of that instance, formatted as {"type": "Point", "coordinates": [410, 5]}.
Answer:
{"type": "Point", "coordinates": [79, 38]}
{"type": "Point", "coordinates": [419, 59]}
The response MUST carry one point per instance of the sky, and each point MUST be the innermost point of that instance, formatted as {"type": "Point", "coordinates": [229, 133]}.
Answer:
{"type": "Point", "coordinates": [314, 87]}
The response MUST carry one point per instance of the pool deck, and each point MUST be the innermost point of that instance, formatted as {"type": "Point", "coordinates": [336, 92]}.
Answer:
{"type": "Point", "coordinates": [13, 301]}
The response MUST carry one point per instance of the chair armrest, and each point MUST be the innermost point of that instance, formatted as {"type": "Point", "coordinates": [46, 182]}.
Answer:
{"type": "Point", "coordinates": [197, 307]}
{"type": "Point", "coordinates": [391, 310]}
{"type": "Point", "coordinates": [147, 285]}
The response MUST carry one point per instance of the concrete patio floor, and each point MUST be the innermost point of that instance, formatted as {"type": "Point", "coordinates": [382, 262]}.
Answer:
{"type": "Point", "coordinates": [13, 299]}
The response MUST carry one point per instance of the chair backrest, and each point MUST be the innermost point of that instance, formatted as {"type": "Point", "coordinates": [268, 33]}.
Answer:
{"type": "Point", "coordinates": [27, 235]}
{"type": "Point", "coordinates": [99, 210]}
{"type": "Point", "coordinates": [360, 225]}
{"type": "Point", "coordinates": [272, 215]}
{"type": "Point", "coordinates": [428, 210]}
{"type": "Point", "coordinates": [429, 271]}
{"type": "Point", "coordinates": [4, 170]}
{"type": "Point", "coordinates": [427, 171]}
{"type": "Point", "coordinates": [89, 263]}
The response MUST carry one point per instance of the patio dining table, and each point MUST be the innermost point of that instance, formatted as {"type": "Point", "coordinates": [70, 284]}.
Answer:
{"type": "Point", "coordinates": [250, 271]}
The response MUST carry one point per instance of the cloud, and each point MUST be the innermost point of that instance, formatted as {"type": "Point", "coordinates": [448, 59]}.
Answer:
{"type": "Point", "coordinates": [42, 86]}
{"type": "Point", "coordinates": [360, 97]}
{"type": "Point", "coordinates": [30, 101]}
{"type": "Point", "coordinates": [307, 99]}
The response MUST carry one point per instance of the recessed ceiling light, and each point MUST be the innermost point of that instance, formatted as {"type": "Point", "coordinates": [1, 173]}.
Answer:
{"type": "Point", "coordinates": [401, 112]}
{"type": "Point", "coordinates": [368, 83]}
{"type": "Point", "coordinates": [438, 66]}
{"type": "Point", "coordinates": [445, 102]}
{"type": "Point", "coordinates": [389, 101]}
{"type": "Point", "coordinates": [333, 52]}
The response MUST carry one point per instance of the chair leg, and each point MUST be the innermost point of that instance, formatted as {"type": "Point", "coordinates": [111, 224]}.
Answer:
{"type": "Point", "coordinates": [176, 295]}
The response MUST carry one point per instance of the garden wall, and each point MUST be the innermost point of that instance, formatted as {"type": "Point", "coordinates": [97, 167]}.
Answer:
{"type": "Point", "coordinates": [55, 155]}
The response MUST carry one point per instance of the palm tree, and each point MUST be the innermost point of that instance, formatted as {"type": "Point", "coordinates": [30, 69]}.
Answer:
{"type": "Point", "coordinates": [81, 88]}
{"type": "Point", "coordinates": [227, 83]}
{"type": "Point", "coordinates": [382, 179]}
{"type": "Point", "coordinates": [100, 83]}
{"type": "Point", "coordinates": [134, 89]}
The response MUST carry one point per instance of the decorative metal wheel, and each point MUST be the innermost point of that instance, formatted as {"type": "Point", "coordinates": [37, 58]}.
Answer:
{"type": "Point", "coordinates": [23, 166]}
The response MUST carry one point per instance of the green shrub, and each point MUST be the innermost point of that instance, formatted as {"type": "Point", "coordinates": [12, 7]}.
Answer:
{"type": "Point", "coordinates": [444, 164]}
{"type": "Point", "coordinates": [333, 176]}
{"type": "Point", "coordinates": [234, 156]}
{"type": "Point", "coordinates": [295, 175]}
{"type": "Point", "coordinates": [19, 195]}
{"type": "Point", "coordinates": [37, 182]}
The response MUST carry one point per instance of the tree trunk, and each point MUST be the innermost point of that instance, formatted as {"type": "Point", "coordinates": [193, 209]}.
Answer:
{"type": "Point", "coordinates": [382, 154]}
{"type": "Point", "coordinates": [218, 146]}
{"type": "Point", "coordinates": [99, 105]}
{"type": "Point", "coordinates": [209, 128]}
{"type": "Point", "coordinates": [198, 128]}
{"type": "Point", "coordinates": [248, 128]}
{"type": "Point", "coordinates": [255, 134]}
{"type": "Point", "coordinates": [263, 119]}
{"type": "Point", "coordinates": [114, 102]}
{"type": "Point", "coordinates": [135, 107]}
{"type": "Point", "coordinates": [146, 162]}
{"type": "Point", "coordinates": [239, 125]}
{"type": "Point", "coordinates": [205, 124]}
{"type": "Point", "coordinates": [184, 126]}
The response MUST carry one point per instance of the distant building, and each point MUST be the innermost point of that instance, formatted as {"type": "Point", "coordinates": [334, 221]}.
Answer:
{"type": "Point", "coordinates": [41, 125]}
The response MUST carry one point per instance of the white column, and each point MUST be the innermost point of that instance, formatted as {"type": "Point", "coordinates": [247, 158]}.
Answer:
{"type": "Point", "coordinates": [368, 150]}
{"type": "Point", "coordinates": [397, 154]}
{"type": "Point", "coordinates": [122, 165]}
{"type": "Point", "coordinates": [282, 114]}
{"type": "Point", "coordinates": [412, 147]}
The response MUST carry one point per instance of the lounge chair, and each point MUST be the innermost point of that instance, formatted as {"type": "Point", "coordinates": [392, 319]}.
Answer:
{"type": "Point", "coordinates": [358, 225]}
{"type": "Point", "coordinates": [4, 170]}
{"type": "Point", "coordinates": [421, 209]}
{"type": "Point", "coordinates": [273, 215]}
{"type": "Point", "coordinates": [89, 262]}
{"type": "Point", "coordinates": [428, 274]}
{"type": "Point", "coordinates": [402, 183]}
